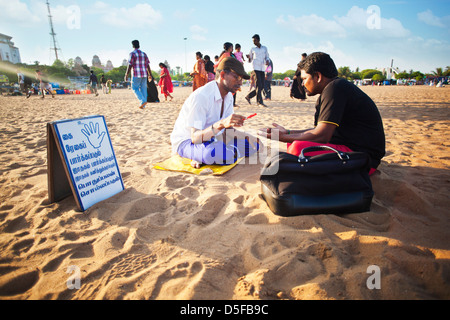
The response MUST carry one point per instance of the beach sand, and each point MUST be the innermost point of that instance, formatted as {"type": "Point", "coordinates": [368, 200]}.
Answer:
{"type": "Point", "coordinates": [172, 235]}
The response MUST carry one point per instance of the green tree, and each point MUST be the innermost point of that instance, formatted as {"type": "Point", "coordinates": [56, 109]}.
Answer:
{"type": "Point", "coordinates": [447, 71]}
{"type": "Point", "coordinates": [116, 74]}
{"type": "Point", "coordinates": [438, 72]}
{"type": "Point", "coordinates": [369, 73]}
{"type": "Point", "coordinates": [417, 74]}
{"type": "Point", "coordinates": [70, 63]}
{"type": "Point", "coordinates": [356, 75]}
{"type": "Point", "coordinates": [378, 77]}
{"type": "Point", "coordinates": [344, 72]}
{"type": "Point", "coordinates": [402, 75]}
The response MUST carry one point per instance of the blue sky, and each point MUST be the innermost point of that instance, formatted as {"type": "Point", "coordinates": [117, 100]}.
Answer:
{"type": "Point", "coordinates": [364, 34]}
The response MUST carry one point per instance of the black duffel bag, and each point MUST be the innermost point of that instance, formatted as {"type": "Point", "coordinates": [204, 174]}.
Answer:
{"type": "Point", "coordinates": [329, 183]}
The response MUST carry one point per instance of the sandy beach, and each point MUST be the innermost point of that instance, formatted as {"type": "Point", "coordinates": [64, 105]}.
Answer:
{"type": "Point", "coordinates": [173, 235]}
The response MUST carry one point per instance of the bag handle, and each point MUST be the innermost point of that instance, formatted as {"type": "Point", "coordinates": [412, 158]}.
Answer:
{"type": "Point", "coordinates": [302, 158]}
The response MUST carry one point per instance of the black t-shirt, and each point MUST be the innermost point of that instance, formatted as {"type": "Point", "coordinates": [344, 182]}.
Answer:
{"type": "Point", "coordinates": [358, 121]}
{"type": "Point", "coordinates": [93, 78]}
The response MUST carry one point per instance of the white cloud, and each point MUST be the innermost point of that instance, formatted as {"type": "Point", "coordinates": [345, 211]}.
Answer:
{"type": "Point", "coordinates": [60, 14]}
{"type": "Point", "coordinates": [358, 23]}
{"type": "Point", "coordinates": [429, 18]}
{"type": "Point", "coordinates": [312, 25]}
{"type": "Point", "coordinates": [15, 11]}
{"type": "Point", "coordinates": [36, 13]}
{"type": "Point", "coordinates": [292, 54]}
{"type": "Point", "coordinates": [370, 24]}
{"type": "Point", "coordinates": [198, 33]}
{"type": "Point", "coordinates": [183, 15]}
{"type": "Point", "coordinates": [141, 15]}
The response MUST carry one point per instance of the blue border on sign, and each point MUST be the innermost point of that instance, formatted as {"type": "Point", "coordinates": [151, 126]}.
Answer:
{"type": "Point", "coordinates": [55, 123]}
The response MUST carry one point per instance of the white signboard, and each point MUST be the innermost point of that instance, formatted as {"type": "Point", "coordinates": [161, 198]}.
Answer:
{"type": "Point", "coordinates": [88, 158]}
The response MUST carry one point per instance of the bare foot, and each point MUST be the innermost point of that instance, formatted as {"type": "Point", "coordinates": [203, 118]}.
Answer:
{"type": "Point", "coordinates": [195, 164]}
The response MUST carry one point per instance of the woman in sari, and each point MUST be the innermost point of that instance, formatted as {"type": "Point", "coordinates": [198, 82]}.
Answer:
{"type": "Point", "coordinates": [165, 82]}
{"type": "Point", "coordinates": [200, 75]}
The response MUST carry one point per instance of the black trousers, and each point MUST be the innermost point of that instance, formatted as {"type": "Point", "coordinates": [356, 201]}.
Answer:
{"type": "Point", "coordinates": [268, 89]}
{"type": "Point", "coordinates": [259, 87]}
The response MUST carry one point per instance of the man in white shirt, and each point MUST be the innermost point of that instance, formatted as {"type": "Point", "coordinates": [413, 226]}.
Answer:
{"type": "Point", "coordinates": [204, 130]}
{"type": "Point", "coordinates": [259, 57]}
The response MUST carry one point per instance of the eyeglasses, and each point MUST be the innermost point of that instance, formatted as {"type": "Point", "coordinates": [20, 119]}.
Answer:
{"type": "Point", "coordinates": [235, 76]}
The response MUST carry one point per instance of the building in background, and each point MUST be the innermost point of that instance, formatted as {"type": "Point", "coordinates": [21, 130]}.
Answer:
{"type": "Point", "coordinates": [98, 64]}
{"type": "Point", "coordinates": [8, 52]}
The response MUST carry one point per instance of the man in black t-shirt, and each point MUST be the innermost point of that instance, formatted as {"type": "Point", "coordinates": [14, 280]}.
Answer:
{"type": "Point", "coordinates": [346, 118]}
{"type": "Point", "coordinates": [93, 82]}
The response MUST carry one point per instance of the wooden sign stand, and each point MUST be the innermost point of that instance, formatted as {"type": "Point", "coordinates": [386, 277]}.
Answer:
{"type": "Point", "coordinates": [81, 161]}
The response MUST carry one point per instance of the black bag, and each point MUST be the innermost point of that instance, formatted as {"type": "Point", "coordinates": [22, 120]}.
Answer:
{"type": "Point", "coordinates": [297, 89]}
{"type": "Point", "coordinates": [152, 92]}
{"type": "Point", "coordinates": [330, 183]}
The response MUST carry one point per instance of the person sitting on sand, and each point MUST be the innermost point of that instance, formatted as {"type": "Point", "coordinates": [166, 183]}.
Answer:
{"type": "Point", "coordinates": [204, 130]}
{"type": "Point", "coordinates": [346, 118]}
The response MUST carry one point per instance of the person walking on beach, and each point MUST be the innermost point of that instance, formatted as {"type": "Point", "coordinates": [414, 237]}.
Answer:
{"type": "Point", "coordinates": [93, 83]}
{"type": "Point", "coordinates": [21, 81]}
{"type": "Point", "coordinates": [227, 52]}
{"type": "Point", "coordinates": [346, 118]}
{"type": "Point", "coordinates": [103, 82]}
{"type": "Point", "coordinates": [199, 72]}
{"type": "Point", "coordinates": [44, 84]}
{"type": "Point", "coordinates": [139, 62]}
{"type": "Point", "coordinates": [165, 82]}
{"type": "Point", "coordinates": [207, 118]}
{"type": "Point", "coordinates": [268, 81]}
{"type": "Point", "coordinates": [259, 57]}
{"type": "Point", "coordinates": [108, 84]}
{"type": "Point", "coordinates": [238, 54]}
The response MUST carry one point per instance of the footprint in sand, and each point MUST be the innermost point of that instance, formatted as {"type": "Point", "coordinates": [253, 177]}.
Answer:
{"type": "Point", "coordinates": [210, 209]}
{"type": "Point", "coordinates": [22, 246]}
{"type": "Point", "coordinates": [178, 181]}
{"type": "Point", "coordinates": [18, 284]}
{"type": "Point", "coordinates": [182, 270]}
{"type": "Point", "coordinates": [122, 266]}
{"type": "Point", "coordinates": [15, 225]}
{"type": "Point", "coordinates": [146, 206]}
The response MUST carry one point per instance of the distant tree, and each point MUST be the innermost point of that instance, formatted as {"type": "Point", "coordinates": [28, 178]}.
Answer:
{"type": "Point", "coordinates": [281, 76]}
{"type": "Point", "coordinates": [402, 75]}
{"type": "Point", "coordinates": [344, 72]}
{"type": "Point", "coordinates": [369, 73]}
{"type": "Point", "coordinates": [97, 71]}
{"type": "Point", "coordinates": [378, 77]}
{"type": "Point", "coordinates": [417, 74]}
{"type": "Point", "coordinates": [356, 75]}
{"type": "Point", "coordinates": [70, 63]}
{"type": "Point", "coordinates": [58, 64]}
{"type": "Point", "coordinates": [447, 71]}
{"type": "Point", "coordinates": [116, 74]}
{"type": "Point", "coordinates": [438, 72]}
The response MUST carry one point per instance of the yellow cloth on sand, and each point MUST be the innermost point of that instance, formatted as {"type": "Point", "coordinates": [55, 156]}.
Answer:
{"type": "Point", "coordinates": [177, 163]}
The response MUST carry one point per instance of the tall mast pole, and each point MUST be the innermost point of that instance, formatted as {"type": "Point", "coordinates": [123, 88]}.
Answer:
{"type": "Point", "coordinates": [52, 31]}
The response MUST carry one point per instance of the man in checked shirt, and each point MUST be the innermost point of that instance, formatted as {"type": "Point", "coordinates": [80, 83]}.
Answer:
{"type": "Point", "coordinates": [140, 64]}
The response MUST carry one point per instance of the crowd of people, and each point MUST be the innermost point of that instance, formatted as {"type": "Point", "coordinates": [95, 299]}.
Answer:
{"type": "Point", "coordinates": [205, 130]}
{"type": "Point", "coordinates": [204, 69]}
